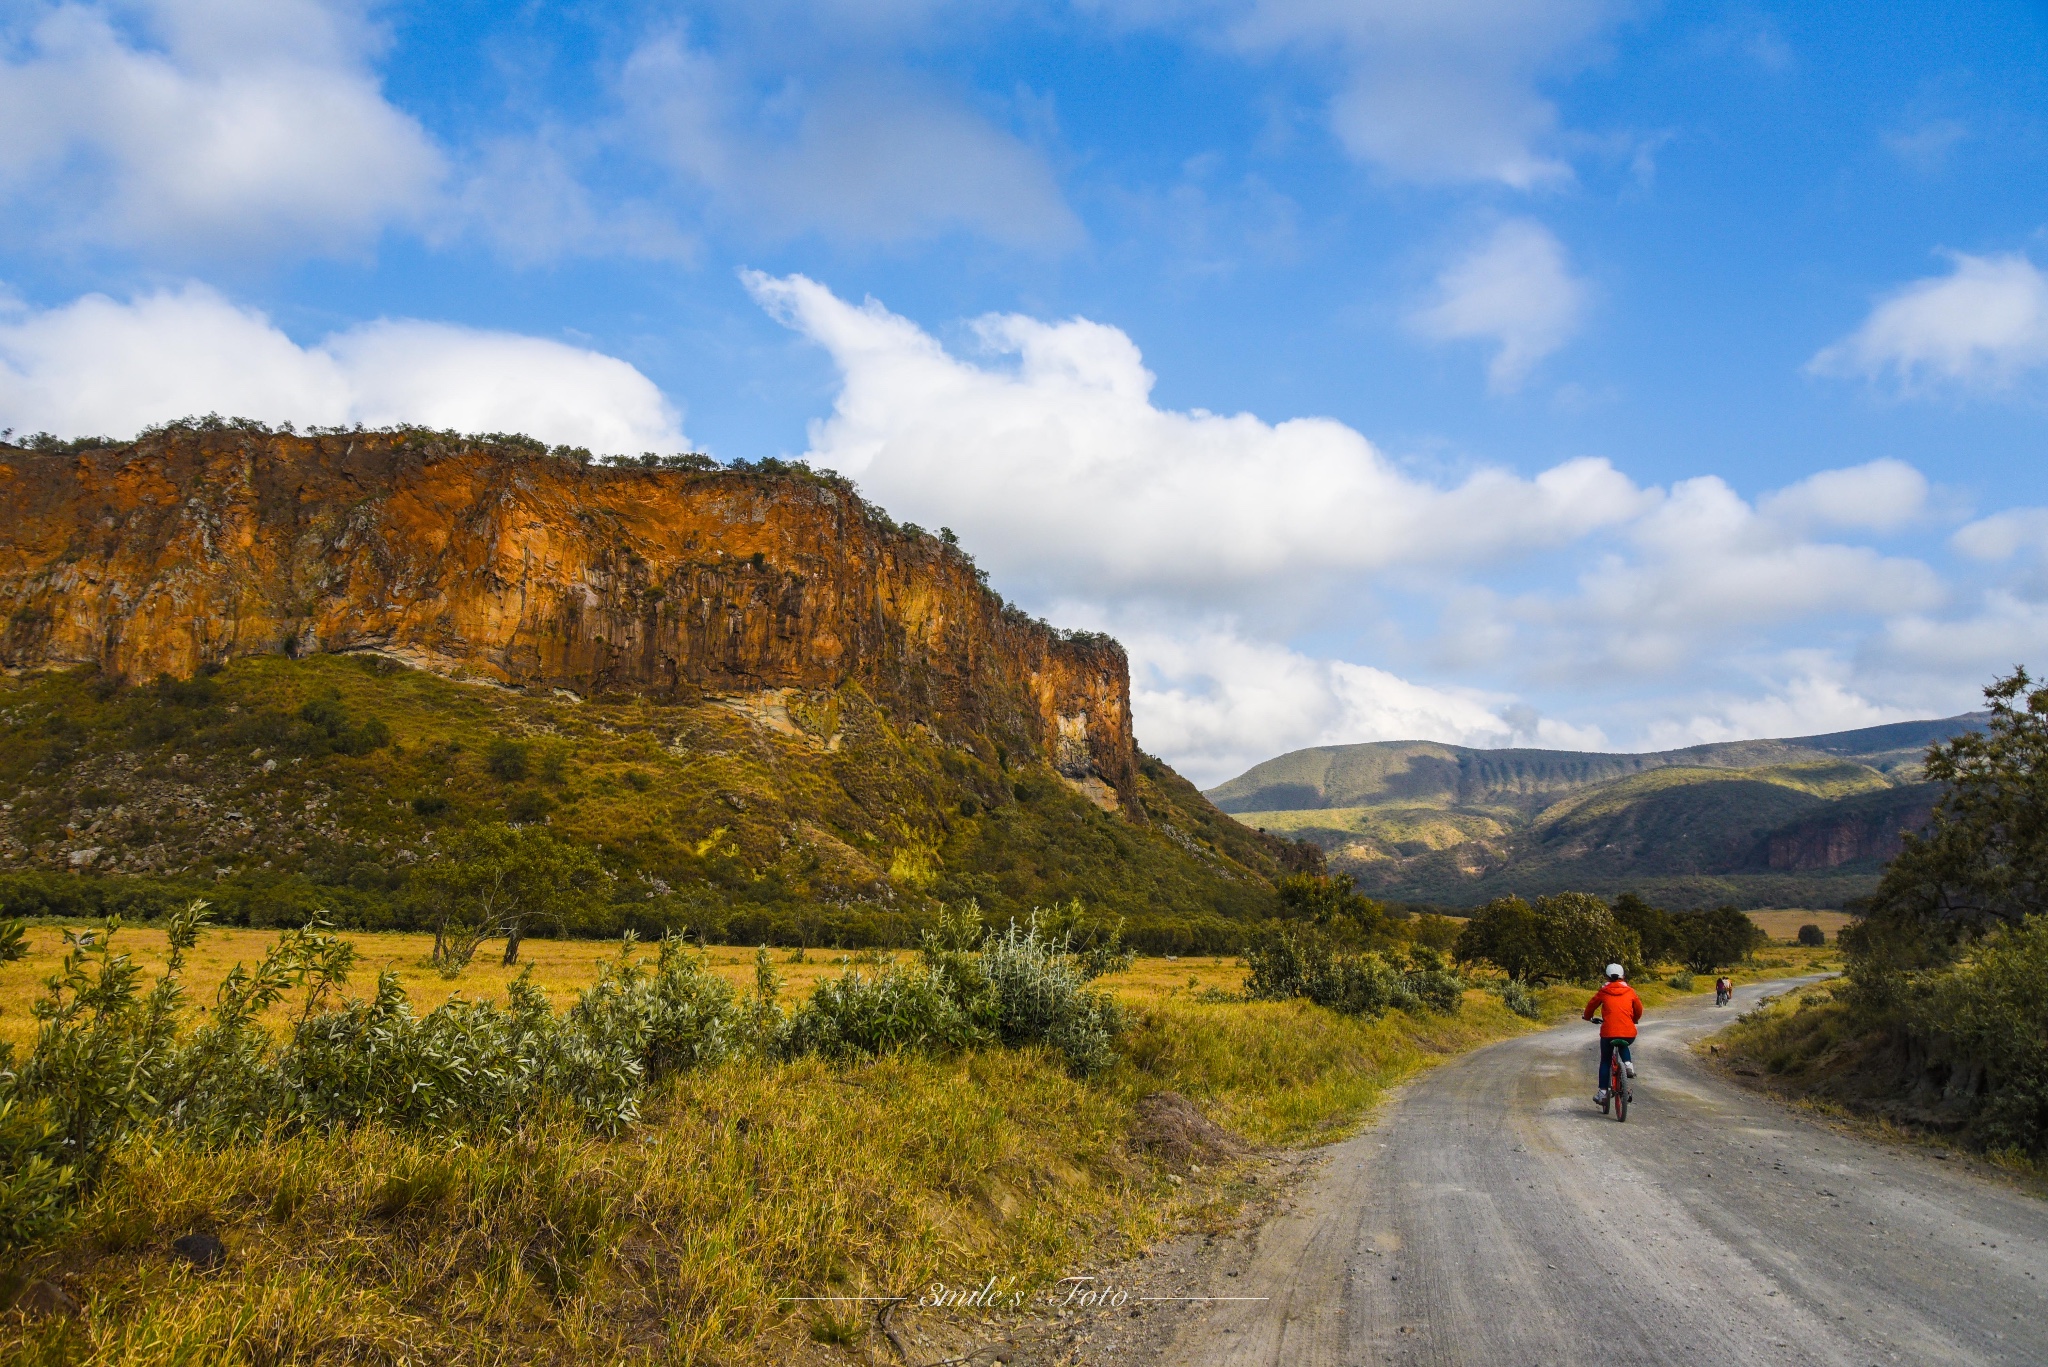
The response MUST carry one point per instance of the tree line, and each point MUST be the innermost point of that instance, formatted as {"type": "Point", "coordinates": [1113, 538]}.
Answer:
{"type": "Point", "coordinates": [1948, 968]}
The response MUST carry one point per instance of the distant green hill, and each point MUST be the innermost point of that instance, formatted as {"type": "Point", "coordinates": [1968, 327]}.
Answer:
{"type": "Point", "coordinates": [1802, 821]}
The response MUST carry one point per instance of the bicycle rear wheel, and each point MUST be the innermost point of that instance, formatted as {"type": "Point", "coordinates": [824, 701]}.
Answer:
{"type": "Point", "coordinates": [1617, 1082]}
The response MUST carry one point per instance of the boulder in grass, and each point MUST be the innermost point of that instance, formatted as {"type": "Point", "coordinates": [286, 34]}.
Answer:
{"type": "Point", "coordinates": [202, 1250]}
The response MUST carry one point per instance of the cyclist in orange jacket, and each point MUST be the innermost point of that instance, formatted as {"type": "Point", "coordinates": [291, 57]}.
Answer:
{"type": "Point", "coordinates": [1620, 1008]}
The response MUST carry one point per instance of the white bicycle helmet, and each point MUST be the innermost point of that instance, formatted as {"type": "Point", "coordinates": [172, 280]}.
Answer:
{"type": "Point", "coordinates": [1615, 971]}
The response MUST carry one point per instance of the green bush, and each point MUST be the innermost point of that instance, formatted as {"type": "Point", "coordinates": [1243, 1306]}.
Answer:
{"type": "Point", "coordinates": [1683, 980]}
{"type": "Point", "coordinates": [1568, 935]}
{"type": "Point", "coordinates": [1021, 987]}
{"type": "Point", "coordinates": [1290, 961]}
{"type": "Point", "coordinates": [111, 1059]}
{"type": "Point", "coordinates": [1516, 997]}
{"type": "Point", "coordinates": [1812, 935]}
{"type": "Point", "coordinates": [505, 760]}
{"type": "Point", "coordinates": [1041, 997]}
{"type": "Point", "coordinates": [1988, 1020]}
{"type": "Point", "coordinates": [865, 1014]}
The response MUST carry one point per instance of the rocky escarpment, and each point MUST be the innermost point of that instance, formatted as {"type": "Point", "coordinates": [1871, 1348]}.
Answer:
{"type": "Point", "coordinates": [1869, 830]}
{"type": "Point", "coordinates": [496, 561]}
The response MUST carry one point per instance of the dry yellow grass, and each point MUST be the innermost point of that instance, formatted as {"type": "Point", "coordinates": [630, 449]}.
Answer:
{"type": "Point", "coordinates": [1784, 923]}
{"type": "Point", "coordinates": [748, 1183]}
{"type": "Point", "coordinates": [561, 968]}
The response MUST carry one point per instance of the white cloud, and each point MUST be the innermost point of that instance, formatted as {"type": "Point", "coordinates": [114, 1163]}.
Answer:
{"type": "Point", "coordinates": [1061, 472]}
{"type": "Point", "coordinates": [1699, 576]}
{"type": "Point", "coordinates": [526, 196]}
{"type": "Point", "coordinates": [2003, 535]}
{"type": "Point", "coordinates": [1808, 705]}
{"type": "Point", "coordinates": [1215, 546]}
{"type": "Point", "coordinates": [205, 127]}
{"type": "Point", "coordinates": [100, 367]}
{"type": "Point", "coordinates": [1880, 497]}
{"type": "Point", "coordinates": [1981, 325]}
{"type": "Point", "coordinates": [1218, 701]}
{"type": "Point", "coordinates": [2004, 630]}
{"type": "Point", "coordinates": [1706, 563]}
{"type": "Point", "coordinates": [1516, 290]}
{"type": "Point", "coordinates": [866, 152]}
{"type": "Point", "coordinates": [1428, 90]}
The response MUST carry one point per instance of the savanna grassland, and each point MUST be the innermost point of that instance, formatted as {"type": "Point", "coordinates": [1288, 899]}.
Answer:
{"type": "Point", "coordinates": [559, 968]}
{"type": "Point", "coordinates": [674, 1238]}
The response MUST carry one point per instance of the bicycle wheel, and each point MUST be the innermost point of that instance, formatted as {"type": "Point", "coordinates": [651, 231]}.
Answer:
{"type": "Point", "coordinates": [1617, 1082]}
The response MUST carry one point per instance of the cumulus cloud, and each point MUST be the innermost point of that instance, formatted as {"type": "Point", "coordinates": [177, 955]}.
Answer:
{"type": "Point", "coordinates": [1980, 326]}
{"type": "Point", "coordinates": [2003, 535]}
{"type": "Point", "coordinates": [1881, 496]}
{"type": "Point", "coordinates": [1515, 290]}
{"type": "Point", "coordinates": [866, 151]}
{"type": "Point", "coordinates": [101, 367]}
{"type": "Point", "coordinates": [1811, 704]}
{"type": "Point", "coordinates": [2001, 629]}
{"type": "Point", "coordinates": [1216, 545]}
{"type": "Point", "coordinates": [1219, 701]}
{"type": "Point", "coordinates": [1706, 563]}
{"type": "Point", "coordinates": [1053, 461]}
{"type": "Point", "coordinates": [204, 127]}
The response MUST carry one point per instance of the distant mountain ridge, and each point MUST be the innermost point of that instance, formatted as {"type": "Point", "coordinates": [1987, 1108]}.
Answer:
{"type": "Point", "coordinates": [1801, 820]}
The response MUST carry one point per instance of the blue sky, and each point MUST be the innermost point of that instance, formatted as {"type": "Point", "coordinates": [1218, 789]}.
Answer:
{"type": "Point", "coordinates": [1567, 372]}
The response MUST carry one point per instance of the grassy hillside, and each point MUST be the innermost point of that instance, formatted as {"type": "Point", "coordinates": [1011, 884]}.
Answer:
{"type": "Point", "coordinates": [1806, 821]}
{"type": "Point", "coordinates": [281, 787]}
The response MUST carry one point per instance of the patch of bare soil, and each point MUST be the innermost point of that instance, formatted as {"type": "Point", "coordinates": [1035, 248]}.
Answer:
{"type": "Point", "coordinates": [1173, 1133]}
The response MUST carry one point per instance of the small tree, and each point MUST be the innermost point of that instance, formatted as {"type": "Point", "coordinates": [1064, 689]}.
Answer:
{"type": "Point", "coordinates": [1983, 863]}
{"type": "Point", "coordinates": [1720, 938]}
{"type": "Point", "coordinates": [1331, 902]}
{"type": "Point", "coordinates": [1504, 933]}
{"type": "Point", "coordinates": [1567, 935]}
{"type": "Point", "coordinates": [1812, 935]}
{"type": "Point", "coordinates": [507, 879]}
{"type": "Point", "coordinates": [1652, 925]}
{"type": "Point", "coordinates": [1581, 936]}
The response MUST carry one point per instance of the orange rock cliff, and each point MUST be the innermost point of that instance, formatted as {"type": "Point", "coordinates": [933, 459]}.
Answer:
{"type": "Point", "coordinates": [497, 562]}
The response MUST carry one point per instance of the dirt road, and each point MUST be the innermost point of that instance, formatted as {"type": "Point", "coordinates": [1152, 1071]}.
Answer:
{"type": "Point", "coordinates": [1492, 1216]}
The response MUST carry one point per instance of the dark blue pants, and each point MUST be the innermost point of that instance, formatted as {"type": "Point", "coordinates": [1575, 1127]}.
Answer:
{"type": "Point", "coordinates": [1608, 1048]}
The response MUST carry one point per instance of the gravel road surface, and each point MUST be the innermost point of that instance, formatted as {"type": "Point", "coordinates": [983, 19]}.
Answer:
{"type": "Point", "coordinates": [1491, 1215]}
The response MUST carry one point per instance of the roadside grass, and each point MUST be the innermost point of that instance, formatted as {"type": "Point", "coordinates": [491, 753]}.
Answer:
{"type": "Point", "coordinates": [1809, 1049]}
{"type": "Point", "coordinates": [745, 1184]}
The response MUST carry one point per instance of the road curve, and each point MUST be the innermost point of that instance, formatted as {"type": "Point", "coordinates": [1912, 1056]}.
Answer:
{"type": "Point", "coordinates": [1492, 1216]}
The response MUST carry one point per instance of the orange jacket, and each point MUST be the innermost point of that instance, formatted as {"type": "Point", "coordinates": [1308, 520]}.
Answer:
{"type": "Point", "coordinates": [1620, 1008]}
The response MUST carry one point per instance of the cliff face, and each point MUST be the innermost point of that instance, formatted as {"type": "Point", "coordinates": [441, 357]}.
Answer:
{"type": "Point", "coordinates": [1869, 830]}
{"type": "Point", "coordinates": [496, 563]}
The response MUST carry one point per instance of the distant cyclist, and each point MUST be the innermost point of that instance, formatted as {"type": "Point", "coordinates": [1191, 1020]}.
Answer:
{"type": "Point", "coordinates": [1724, 989]}
{"type": "Point", "coordinates": [1620, 1008]}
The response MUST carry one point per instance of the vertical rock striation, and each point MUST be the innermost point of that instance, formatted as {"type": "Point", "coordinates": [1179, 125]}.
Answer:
{"type": "Point", "coordinates": [493, 561]}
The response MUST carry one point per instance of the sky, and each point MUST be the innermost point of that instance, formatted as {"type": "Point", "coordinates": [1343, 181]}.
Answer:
{"type": "Point", "coordinates": [1571, 373]}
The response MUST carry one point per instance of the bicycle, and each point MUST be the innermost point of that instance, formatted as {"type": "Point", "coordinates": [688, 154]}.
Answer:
{"type": "Point", "coordinates": [1723, 992]}
{"type": "Point", "coordinates": [1618, 1094]}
